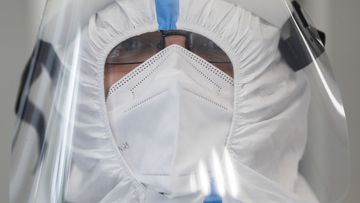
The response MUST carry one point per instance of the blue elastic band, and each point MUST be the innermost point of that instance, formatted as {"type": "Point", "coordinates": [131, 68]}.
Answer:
{"type": "Point", "coordinates": [213, 197]}
{"type": "Point", "coordinates": [167, 12]}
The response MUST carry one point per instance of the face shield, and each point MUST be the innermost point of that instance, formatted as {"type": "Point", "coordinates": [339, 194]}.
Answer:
{"type": "Point", "coordinates": [179, 101]}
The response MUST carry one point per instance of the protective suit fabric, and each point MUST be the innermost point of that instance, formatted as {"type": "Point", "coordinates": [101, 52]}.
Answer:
{"type": "Point", "coordinates": [263, 118]}
{"type": "Point", "coordinates": [274, 12]}
{"type": "Point", "coordinates": [259, 136]}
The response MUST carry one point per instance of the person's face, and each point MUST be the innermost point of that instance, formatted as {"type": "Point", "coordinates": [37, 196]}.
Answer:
{"type": "Point", "coordinates": [114, 72]}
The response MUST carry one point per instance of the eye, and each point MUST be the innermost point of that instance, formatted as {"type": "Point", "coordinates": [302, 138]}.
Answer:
{"type": "Point", "coordinates": [210, 45]}
{"type": "Point", "coordinates": [203, 44]}
{"type": "Point", "coordinates": [132, 45]}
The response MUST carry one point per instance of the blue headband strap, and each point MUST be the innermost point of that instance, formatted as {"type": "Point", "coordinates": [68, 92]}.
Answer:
{"type": "Point", "coordinates": [167, 12]}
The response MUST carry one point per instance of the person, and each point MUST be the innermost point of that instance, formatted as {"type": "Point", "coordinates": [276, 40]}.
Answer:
{"type": "Point", "coordinates": [183, 101]}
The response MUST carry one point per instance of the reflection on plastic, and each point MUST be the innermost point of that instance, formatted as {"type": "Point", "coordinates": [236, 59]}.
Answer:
{"type": "Point", "coordinates": [81, 161]}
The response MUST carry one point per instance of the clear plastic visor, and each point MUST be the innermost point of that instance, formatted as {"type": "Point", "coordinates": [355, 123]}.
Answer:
{"type": "Point", "coordinates": [234, 105]}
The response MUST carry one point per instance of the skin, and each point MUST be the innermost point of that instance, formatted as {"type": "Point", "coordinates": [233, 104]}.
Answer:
{"type": "Point", "coordinates": [114, 73]}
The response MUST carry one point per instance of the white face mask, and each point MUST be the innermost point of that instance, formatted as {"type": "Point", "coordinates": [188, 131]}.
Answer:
{"type": "Point", "coordinates": [169, 114]}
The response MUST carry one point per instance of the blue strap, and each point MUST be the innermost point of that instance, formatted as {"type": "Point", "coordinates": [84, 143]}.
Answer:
{"type": "Point", "coordinates": [213, 197]}
{"type": "Point", "coordinates": [167, 12]}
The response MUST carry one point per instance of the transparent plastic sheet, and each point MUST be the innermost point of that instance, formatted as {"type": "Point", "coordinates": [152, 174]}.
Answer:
{"type": "Point", "coordinates": [64, 150]}
{"type": "Point", "coordinates": [324, 98]}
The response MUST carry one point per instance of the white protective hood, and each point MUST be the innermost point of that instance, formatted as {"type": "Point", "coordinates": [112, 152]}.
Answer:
{"type": "Point", "coordinates": [263, 140]}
